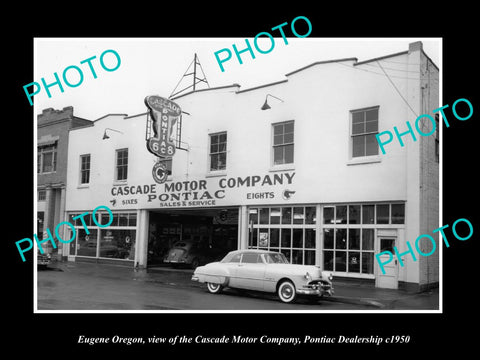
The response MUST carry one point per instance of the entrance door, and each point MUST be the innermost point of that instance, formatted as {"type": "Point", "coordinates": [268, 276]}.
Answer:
{"type": "Point", "coordinates": [388, 280]}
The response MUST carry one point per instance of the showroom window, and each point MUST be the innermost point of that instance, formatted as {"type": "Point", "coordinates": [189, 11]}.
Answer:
{"type": "Point", "coordinates": [115, 241]}
{"type": "Point", "coordinates": [286, 229]}
{"type": "Point", "coordinates": [349, 237]}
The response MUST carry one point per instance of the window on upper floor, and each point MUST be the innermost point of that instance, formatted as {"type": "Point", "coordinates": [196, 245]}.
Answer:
{"type": "Point", "coordinates": [218, 151]}
{"type": "Point", "coordinates": [121, 164]}
{"type": "Point", "coordinates": [42, 195]}
{"type": "Point", "coordinates": [283, 143]}
{"type": "Point", "coordinates": [47, 159]}
{"type": "Point", "coordinates": [364, 127]}
{"type": "Point", "coordinates": [84, 169]}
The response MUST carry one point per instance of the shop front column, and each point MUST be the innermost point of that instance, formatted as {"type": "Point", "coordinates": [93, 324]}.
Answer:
{"type": "Point", "coordinates": [141, 244]}
{"type": "Point", "coordinates": [48, 214]}
{"type": "Point", "coordinates": [243, 227]}
{"type": "Point", "coordinates": [62, 248]}
{"type": "Point", "coordinates": [319, 237]}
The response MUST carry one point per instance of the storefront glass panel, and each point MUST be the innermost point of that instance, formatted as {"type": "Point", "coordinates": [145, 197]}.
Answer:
{"type": "Point", "coordinates": [349, 235]}
{"type": "Point", "coordinates": [383, 213]}
{"type": "Point", "coordinates": [341, 239]}
{"type": "Point", "coordinates": [340, 261]}
{"type": "Point", "coordinates": [275, 215]}
{"type": "Point", "coordinates": [367, 239]}
{"type": "Point", "coordinates": [286, 215]}
{"type": "Point", "coordinates": [253, 216]}
{"type": "Point", "coordinates": [367, 262]}
{"type": "Point", "coordinates": [122, 220]}
{"type": "Point", "coordinates": [264, 213]}
{"type": "Point", "coordinates": [286, 238]}
{"type": "Point", "coordinates": [328, 238]}
{"type": "Point", "coordinates": [253, 238]}
{"type": "Point", "coordinates": [86, 244]}
{"type": "Point", "coordinates": [287, 253]}
{"type": "Point", "coordinates": [310, 238]}
{"type": "Point", "coordinates": [341, 214]}
{"type": "Point", "coordinates": [398, 213]}
{"type": "Point", "coordinates": [263, 235]}
{"type": "Point", "coordinates": [368, 214]}
{"type": "Point", "coordinates": [298, 215]}
{"type": "Point", "coordinates": [328, 260]}
{"type": "Point", "coordinates": [115, 241]}
{"type": "Point", "coordinates": [310, 215]}
{"type": "Point", "coordinates": [118, 244]}
{"type": "Point", "coordinates": [309, 257]}
{"type": "Point", "coordinates": [297, 257]}
{"type": "Point", "coordinates": [328, 215]}
{"type": "Point", "coordinates": [354, 214]}
{"type": "Point", "coordinates": [354, 239]}
{"type": "Point", "coordinates": [274, 238]}
{"type": "Point", "coordinates": [297, 238]}
{"type": "Point", "coordinates": [132, 220]}
{"type": "Point", "coordinates": [290, 230]}
{"type": "Point", "coordinates": [353, 262]}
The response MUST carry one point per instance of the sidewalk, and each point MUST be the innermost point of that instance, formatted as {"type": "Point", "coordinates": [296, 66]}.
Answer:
{"type": "Point", "coordinates": [346, 290]}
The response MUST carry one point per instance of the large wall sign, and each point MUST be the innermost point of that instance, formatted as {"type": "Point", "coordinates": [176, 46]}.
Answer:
{"type": "Point", "coordinates": [232, 191]}
{"type": "Point", "coordinates": [164, 114]}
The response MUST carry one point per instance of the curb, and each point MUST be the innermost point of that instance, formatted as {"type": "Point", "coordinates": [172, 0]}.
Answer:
{"type": "Point", "coordinates": [355, 301]}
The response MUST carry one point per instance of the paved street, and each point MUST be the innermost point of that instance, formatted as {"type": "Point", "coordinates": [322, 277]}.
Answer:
{"type": "Point", "coordinates": [79, 286]}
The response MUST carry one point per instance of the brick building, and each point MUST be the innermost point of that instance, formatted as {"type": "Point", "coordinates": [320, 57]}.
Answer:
{"type": "Point", "coordinates": [52, 154]}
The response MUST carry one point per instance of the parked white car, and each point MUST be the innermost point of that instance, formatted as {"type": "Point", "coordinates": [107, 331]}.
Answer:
{"type": "Point", "coordinates": [266, 271]}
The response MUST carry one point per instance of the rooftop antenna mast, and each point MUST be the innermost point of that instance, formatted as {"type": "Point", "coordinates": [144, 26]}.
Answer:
{"type": "Point", "coordinates": [196, 79]}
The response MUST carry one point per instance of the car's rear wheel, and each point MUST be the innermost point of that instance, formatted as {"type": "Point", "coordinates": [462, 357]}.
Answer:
{"type": "Point", "coordinates": [214, 288]}
{"type": "Point", "coordinates": [286, 292]}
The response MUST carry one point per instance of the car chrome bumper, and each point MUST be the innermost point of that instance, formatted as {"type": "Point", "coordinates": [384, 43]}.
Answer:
{"type": "Point", "coordinates": [318, 289]}
{"type": "Point", "coordinates": [195, 278]}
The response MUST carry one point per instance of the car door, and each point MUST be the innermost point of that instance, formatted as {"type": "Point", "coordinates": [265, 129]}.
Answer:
{"type": "Point", "coordinates": [250, 272]}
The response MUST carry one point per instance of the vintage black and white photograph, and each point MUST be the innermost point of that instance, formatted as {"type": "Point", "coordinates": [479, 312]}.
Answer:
{"type": "Point", "coordinates": [280, 173]}
{"type": "Point", "coordinates": [235, 179]}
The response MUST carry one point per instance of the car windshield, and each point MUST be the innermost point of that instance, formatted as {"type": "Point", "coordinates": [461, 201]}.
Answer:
{"type": "Point", "coordinates": [276, 259]}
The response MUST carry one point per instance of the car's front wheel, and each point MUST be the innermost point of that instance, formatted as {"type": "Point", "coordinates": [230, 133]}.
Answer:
{"type": "Point", "coordinates": [286, 292]}
{"type": "Point", "coordinates": [214, 288]}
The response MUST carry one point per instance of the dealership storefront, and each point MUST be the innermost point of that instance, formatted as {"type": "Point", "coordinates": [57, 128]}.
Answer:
{"type": "Point", "coordinates": [342, 238]}
{"type": "Point", "coordinates": [221, 212]}
{"type": "Point", "coordinates": [303, 177]}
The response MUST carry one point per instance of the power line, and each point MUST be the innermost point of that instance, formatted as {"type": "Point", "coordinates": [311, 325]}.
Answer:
{"type": "Point", "coordinates": [408, 71]}
{"type": "Point", "coordinates": [398, 91]}
{"type": "Point", "coordinates": [376, 73]}
{"type": "Point", "coordinates": [397, 62]}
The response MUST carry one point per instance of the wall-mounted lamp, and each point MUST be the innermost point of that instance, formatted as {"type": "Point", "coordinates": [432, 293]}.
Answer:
{"type": "Point", "coordinates": [105, 136]}
{"type": "Point", "coordinates": [265, 105]}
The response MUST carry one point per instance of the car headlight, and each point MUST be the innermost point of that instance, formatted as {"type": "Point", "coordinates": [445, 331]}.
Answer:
{"type": "Point", "coordinates": [308, 276]}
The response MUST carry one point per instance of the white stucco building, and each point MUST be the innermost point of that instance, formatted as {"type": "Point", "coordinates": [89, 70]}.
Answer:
{"type": "Point", "coordinates": [304, 177]}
